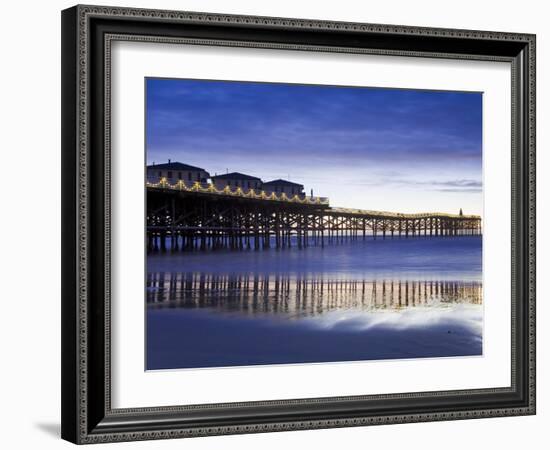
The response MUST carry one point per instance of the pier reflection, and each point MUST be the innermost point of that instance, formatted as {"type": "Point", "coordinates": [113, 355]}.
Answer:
{"type": "Point", "coordinates": [298, 297]}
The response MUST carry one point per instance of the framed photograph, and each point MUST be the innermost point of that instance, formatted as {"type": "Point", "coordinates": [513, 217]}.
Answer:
{"type": "Point", "coordinates": [279, 224]}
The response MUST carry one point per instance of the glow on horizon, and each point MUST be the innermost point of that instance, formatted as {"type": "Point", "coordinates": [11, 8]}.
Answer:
{"type": "Point", "coordinates": [369, 148]}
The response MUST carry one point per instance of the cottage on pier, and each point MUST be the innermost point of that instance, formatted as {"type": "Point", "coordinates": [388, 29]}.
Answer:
{"type": "Point", "coordinates": [176, 171]}
{"type": "Point", "coordinates": [288, 187]}
{"type": "Point", "coordinates": [235, 180]}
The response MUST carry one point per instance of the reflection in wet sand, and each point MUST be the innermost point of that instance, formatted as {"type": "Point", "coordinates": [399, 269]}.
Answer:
{"type": "Point", "coordinates": [301, 296]}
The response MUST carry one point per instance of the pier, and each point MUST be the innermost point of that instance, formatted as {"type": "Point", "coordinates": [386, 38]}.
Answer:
{"type": "Point", "coordinates": [199, 216]}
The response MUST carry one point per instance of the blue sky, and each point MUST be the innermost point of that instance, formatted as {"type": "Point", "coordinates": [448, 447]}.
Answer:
{"type": "Point", "coordinates": [372, 148]}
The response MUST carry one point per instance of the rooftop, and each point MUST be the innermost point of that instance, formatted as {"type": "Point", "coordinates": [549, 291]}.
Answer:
{"type": "Point", "coordinates": [235, 176]}
{"type": "Point", "coordinates": [175, 166]}
{"type": "Point", "coordinates": [280, 182]}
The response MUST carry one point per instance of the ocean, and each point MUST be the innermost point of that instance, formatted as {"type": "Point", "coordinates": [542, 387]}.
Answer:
{"type": "Point", "coordinates": [352, 301]}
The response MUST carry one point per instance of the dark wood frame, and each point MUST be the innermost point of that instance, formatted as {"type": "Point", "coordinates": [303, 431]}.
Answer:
{"type": "Point", "coordinates": [87, 416]}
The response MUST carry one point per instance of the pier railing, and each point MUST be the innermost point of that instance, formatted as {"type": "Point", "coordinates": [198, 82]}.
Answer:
{"type": "Point", "coordinates": [209, 188]}
{"type": "Point", "coordinates": [394, 215]}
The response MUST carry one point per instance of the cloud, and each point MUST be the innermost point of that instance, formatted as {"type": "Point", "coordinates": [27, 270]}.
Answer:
{"type": "Point", "coordinates": [462, 186]}
{"type": "Point", "coordinates": [454, 185]}
{"type": "Point", "coordinates": [313, 124]}
{"type": "Point", "coordinates": [461, 190]}
{"type": "Point", "coordinates": [458, 183]}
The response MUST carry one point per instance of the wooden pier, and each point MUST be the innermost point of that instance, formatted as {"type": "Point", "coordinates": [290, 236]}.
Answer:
{"type": "Point", "coordinates": [199, 217]}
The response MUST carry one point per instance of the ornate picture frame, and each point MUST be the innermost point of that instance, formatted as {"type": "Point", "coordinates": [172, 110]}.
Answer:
{"type": "Point", "coordinates": [87, 35]}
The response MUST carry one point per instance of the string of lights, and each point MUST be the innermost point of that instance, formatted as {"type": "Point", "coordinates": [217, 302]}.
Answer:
{"type": "Point", "coordinates": [210, 188]}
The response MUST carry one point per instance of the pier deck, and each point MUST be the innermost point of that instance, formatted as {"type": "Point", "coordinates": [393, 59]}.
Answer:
{"type": "Point", "coordinates": [201, 217]}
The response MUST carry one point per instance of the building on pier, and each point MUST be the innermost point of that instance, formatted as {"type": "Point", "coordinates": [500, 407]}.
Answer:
{"type": "Point", "coordinates": [283, 186]}
{"type": "Point", "coordinates": [236, 180]}
{"type": "Point", "coordinates": [173, 172]}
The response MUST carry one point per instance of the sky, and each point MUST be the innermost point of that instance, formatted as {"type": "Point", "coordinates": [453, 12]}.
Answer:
{"type": "Point", "coordinates": [382, 149]}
